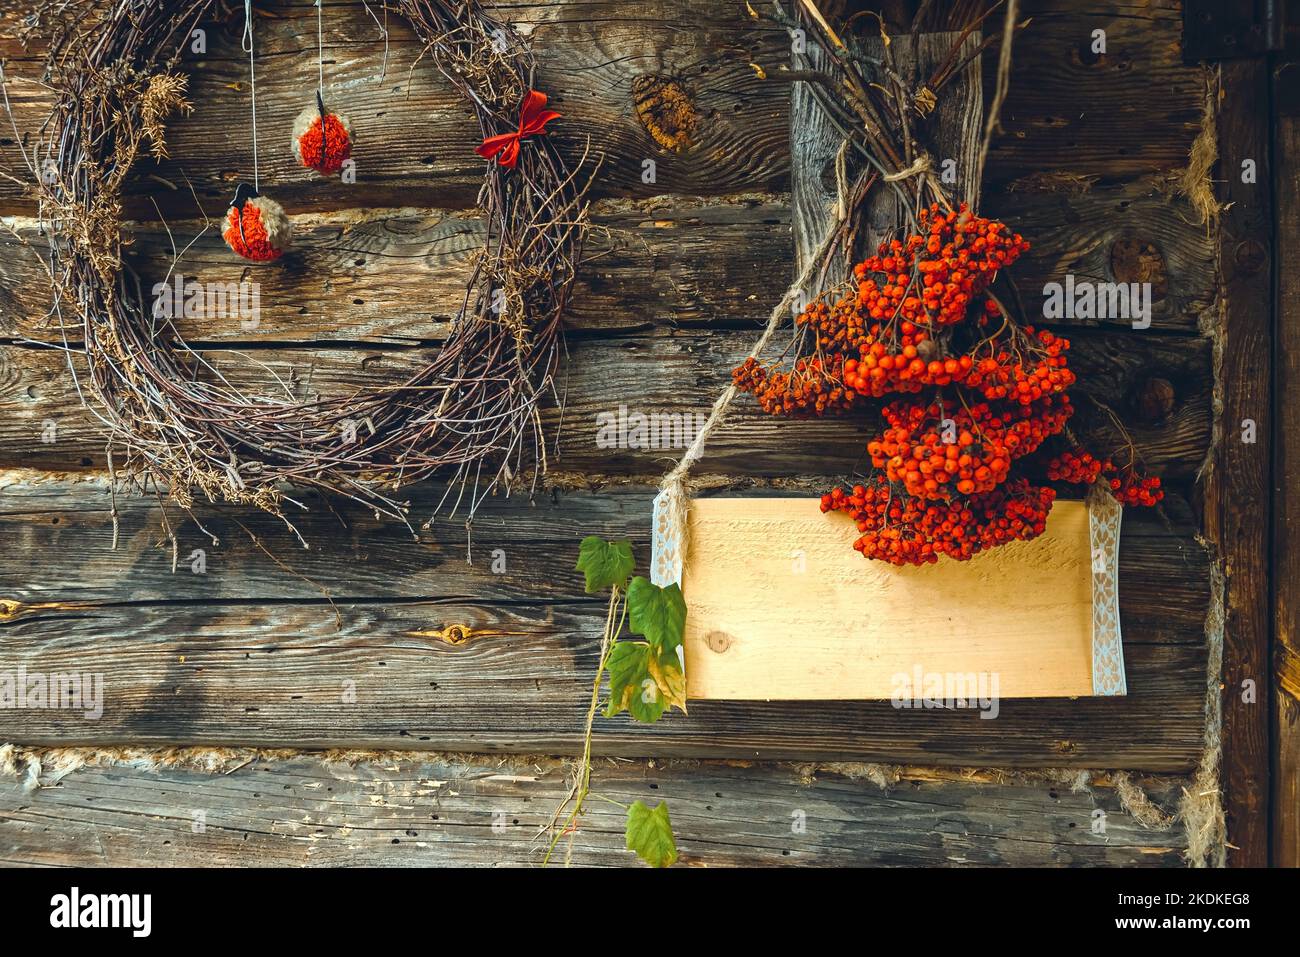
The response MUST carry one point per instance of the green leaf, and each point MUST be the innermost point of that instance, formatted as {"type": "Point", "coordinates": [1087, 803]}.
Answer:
{"type": "Point", "coordinates": [643, 682]}
{"type": "Point", "coordinates": [632, 688]}
{"type": "Point", "coordinates": [658, 613]}
{"type": "Point", "coordinates": [650, 834]}
{"type": "Point", "coordinates": [604, 563]}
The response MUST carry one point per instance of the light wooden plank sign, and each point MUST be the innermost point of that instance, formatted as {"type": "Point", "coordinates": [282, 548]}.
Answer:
{"type": "Point", "coordinates": [780, 606]}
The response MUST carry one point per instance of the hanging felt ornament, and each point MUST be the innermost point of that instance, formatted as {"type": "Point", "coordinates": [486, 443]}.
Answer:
{"type": "Point", "coordinates": [256, 226]}
{"type": "Point", "coordinates": [322, 140]}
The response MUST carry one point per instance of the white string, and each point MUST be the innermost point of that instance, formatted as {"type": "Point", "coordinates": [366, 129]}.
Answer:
{"type": "Point", "coordinates": [247, 44]}
{"type": "Point", "coordinates": [320, 54]}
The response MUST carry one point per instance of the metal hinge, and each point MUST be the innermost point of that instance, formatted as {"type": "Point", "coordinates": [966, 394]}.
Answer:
{"type": "Point", "coordinates": [1231, 29]}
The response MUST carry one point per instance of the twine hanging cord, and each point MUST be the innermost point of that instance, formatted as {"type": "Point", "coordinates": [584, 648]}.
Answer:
{"type": "Point", "coordinates": [673, 486]}
{"type": "Point", "coordinates": [320, 54]}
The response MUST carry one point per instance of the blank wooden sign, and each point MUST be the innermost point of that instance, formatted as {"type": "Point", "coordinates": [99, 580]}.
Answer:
{"type": "Point", "coordinates": [780, 606]}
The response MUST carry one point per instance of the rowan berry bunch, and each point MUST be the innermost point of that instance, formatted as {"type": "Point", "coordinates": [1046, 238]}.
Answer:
{"type": "Point", "coordinates": [942, 450]}
{"type": "Point", "coordinates": [905, 529]}
{"type": "Point", "coordinates": [997, 373]}
{"type": "Point", "coordinates": [813, 387]}
{"type": "Point", "coordinates": [956, 470]}
{"type": "Point", "coordinates": [935, 276]}
{"type": "Point", "coordinates": [1075, 468]}
{"type": "Point", "coordinates": [1078, 467]}
{"type": "Point", "coordinates": [1133, 489]}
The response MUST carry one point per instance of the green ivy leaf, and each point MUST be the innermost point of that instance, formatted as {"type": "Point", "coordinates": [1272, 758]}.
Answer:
{"type": "Point", "coordinates": [644, 683]}
{"type": "Point", "coordinates": [631, 686]}
{"type": "Point", "coordinates": [650, 834]}
{"type": "Point", "coordinates": [658, 613]}
{"type": "Point", "coordinates": [604, 563]}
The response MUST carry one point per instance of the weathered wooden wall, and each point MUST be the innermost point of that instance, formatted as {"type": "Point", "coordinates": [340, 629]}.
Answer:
{"type": "Point", "coordinates": [255, 651]}
{"type": "Point", "coordinates": [410, 810]}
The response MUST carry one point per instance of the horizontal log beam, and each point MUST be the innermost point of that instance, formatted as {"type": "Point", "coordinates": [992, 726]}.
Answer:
{"type": "Point", "coordinates": [68, 530]}
{"type": "Point", "coordinates": [397, 275]}
{"type": "Point", "coordinates": [1157, 385]}
{"type": "Point", "coordinates": [460, 675]}
{"type": "Point", "coordinates": [467, 811]}
{"type": "Point", "coordinates": [1069, 114]}
{"type": "Point", "coordinates": [259, 646]}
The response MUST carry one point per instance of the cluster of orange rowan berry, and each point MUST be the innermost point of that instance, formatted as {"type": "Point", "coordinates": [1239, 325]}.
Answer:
{"type": "Point", "coordinates": [937, 274]}
{"type": "Point", "coordinates": [1077, 467]}
{"type": "Point", "coordinates": [881, 338]}
{"type": "Point", "coordinates": [918, 317]}
{"type": "Point", "coordinates": [944, 450]}
{"type": "Point", "coordinates": [999, 374]}
{"type": "Point", "coordinates": [906, 530]}
{"type": "Point", "coordinates": [811, 388]}
{"type": "Point", "coordinates": [1133, 489]}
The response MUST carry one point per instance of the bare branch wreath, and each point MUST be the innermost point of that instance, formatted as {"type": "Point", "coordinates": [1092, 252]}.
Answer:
{"type": "Point", "coordinates": [177, 425]}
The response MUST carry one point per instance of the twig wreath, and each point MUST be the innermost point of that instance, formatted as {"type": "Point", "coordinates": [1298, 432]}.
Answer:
{"type": "Point", "coordinates": [472, 413]}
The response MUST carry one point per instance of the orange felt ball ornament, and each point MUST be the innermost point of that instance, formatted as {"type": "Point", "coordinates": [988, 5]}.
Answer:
{"type": "Point", "coordinates": [256, 226]}
{"type": "Point", "coordinates": [322, 140]}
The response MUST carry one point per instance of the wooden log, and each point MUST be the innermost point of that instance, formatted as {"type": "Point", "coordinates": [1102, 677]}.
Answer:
{"type": "Point", "coordinates": [1069, 113]}
{"type": "Point", "coordinates": [398, 275]}
{"type": "Point", "coordinates": [266, 652]}
{"type": "Point", "coordinates": [1162, 566]}
{"type": "Point", "coordinates": [455, 674]}
{"type": "Point", "coordinates": [66, 531]}
{"type": "Point", "coordinates": [482, 811]}
{"type": "Point", "coordinates": [1285, 352]}
{"type": "Point", "coordinates": [605, 381]}
{"type": "Point", "coordinates": [602, 65]}
{"type": "Point", "coordinates": [1132, 231]}
{"type": "Point", "coordinates": [394, 275]}
{"type": "Point", "coordinates": [1237, 490]}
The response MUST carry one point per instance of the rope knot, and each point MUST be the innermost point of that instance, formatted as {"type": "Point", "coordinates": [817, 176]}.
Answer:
{"type": "Point", "coordinates": [918, 168]}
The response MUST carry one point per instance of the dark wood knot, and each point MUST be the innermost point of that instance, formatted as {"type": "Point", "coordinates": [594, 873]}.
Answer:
{"type": "Point", "coordinates": [666, 108]}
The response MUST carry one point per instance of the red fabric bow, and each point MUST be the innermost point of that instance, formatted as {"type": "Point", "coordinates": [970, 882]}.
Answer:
{"type": "Point", "coordinates": [533, 117]}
